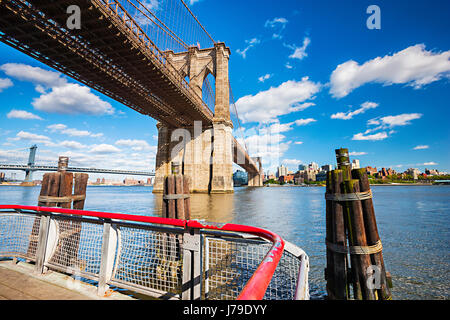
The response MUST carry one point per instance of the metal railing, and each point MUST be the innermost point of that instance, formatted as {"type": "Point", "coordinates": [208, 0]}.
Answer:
{"type": "Point", "coordinates": [159, 257]}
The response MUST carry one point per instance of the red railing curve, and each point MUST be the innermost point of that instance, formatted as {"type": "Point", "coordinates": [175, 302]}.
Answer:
{"type": "Point", "coordinates": [254, 289]}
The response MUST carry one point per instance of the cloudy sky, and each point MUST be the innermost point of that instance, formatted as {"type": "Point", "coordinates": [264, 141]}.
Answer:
{"type": "Point", "coordinates": [307, 77]}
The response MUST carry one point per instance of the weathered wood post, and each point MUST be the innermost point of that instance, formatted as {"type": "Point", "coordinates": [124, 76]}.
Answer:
{"type": "Point", "coordinates": [373, 239]}
{"type": "Point", "coordinates": [56, 191]}
{"type": "Point", "coordinates": [176, 205]}
{"type": "Point", "coordinates": [350, 218]}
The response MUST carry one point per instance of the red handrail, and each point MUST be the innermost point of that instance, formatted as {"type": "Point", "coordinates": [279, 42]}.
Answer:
{"type": "Point", "coordinates": [254, 289]}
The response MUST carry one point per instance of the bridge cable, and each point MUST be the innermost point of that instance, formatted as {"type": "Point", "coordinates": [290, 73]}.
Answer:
{"type": "Point", "coordinates": [237, 116]}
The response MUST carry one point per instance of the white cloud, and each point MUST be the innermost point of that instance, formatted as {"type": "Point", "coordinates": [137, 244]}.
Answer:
{"type": "Point", "coordinates": [288, 66]}
{"type": "Point", "coordinates": [349, 115]}
{"type": "Point", "coordinates": [264, 77]}
{"type": "Point", "coordinates": [76, 133]}
{"type": "Point", "coordinates": [63, 129]}
{"type": "Point", "coordinates": [304, 122]}
{"type": "Point", "coordinates": [298, 142]}
{"type": "Point", "coordinates": [72, 144]}
{"type": "Point", "coordinates": [28, 136]}
{"type": "Point", "coordinates": [293, 162]}
{"type": "Point", "coordinates": [432, 163]}
{"type": "Point", "coordinates": [57, 95]}
{"type": "Point", "coordinates": [355, 153]}
{"type": "Point", "coordinates": [385, 123]}
{"type": "Point", "coordinates": [413, 66]}
{"type": "Point", "coordinates": [266, 106]}
{"type": "Point", "coordinates": [104, 149]}
{"type": "Point", "coordinates": [276, 23]}
{"type": "Point", "coordinates": [72, 99]}
{"type": "Point", "coordinates": [250, 43]}
{"type": "Point", "coordinates": [299, 52]}
{"type": "Point", "coordinates": [399, 120]}
{"type": "Point", "coordinates": [36, 75]}
{"type": "Point", "coordinates": [136, 145]}
{"type": "Point", "coordinates": [21, 114]}
{"type": "Point", "coordinates": [420, 147]}
{"type": "Point", "coordinates": [5, 83]}
{"type": "Point", "coordinates": [371, 137]}
{"type": "Point", "coordinates": [267, 144]}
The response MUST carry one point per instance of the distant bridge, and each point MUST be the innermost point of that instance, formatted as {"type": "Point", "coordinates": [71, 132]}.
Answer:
{"type": "Point", "coordinates": [31, 166]}
{"type": "Point", "coordinates": [74, 169]}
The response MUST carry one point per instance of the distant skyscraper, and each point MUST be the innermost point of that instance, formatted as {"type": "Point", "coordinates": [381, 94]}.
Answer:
{"type": "Point", "coordinates": [327, 167]}
{"type": "Point", "coordinates": [281, 171]}
{"type": "Point", "coordinates": [301, 167]}
{"type": "Point", "coordinates": [313, 166]}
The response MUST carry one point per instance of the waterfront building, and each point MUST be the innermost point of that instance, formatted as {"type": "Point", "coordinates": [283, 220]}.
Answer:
{"type": "Point", "coordinates": [2, 176]}
{"type": "Point", "coordinates": [355, 164]}
{"type": "Point", "coordinates": [321, 176]}
{"type": "Point", "coordinates": [309, 175]}
{"type": "Point", "coordinates": [286, 179]}
{"type": "Point", "coordinates": [432, 172]}
{"type": "Point", "coordinates": [371, 171]}
{"type": "Point", "coordinates": [327, 167]}
{"type": "Point", "coordinates": [414, 172]}
{"type": "Point", "coordinates": [301, 167]}
{"type": "Point", "coordinates": [313, 166]}
{"type": "Point", "coordinates": [281, 171]}
{"type": "Point", "coordinates": [240, 178]}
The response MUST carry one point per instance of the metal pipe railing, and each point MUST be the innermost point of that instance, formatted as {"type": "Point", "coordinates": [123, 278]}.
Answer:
{"type": "Point", "coordinates": [254, 289]}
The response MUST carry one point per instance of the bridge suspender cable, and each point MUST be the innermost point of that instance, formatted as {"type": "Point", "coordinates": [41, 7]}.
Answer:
{"type": "Point", "coordinates": [237, 116]}
{"type": "Point", "coordinates": [197, 21]}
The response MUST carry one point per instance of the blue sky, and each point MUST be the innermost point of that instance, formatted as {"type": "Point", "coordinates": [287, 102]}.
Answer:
{"type": "Point", "coordinates": [308, 73]}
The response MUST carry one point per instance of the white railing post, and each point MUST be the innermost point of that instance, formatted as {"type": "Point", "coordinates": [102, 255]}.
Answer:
{"type": "Point", "coordinates": [44, 226]}
{"type": "Point", "coordinates": [109, 243]}
{"type": "Point", "coordinates": [192, 265]}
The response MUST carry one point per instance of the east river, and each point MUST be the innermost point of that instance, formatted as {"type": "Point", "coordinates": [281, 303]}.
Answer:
{"type": "Point", "coordinates": [413, 223]}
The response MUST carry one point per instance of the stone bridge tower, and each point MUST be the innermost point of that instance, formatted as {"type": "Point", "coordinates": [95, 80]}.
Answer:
{"type": "Point", "coordinates": [204, 150]}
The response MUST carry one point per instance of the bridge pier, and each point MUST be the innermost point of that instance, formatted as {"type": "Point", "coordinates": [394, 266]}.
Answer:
{"type": "Point", "coordinates": [256, 179]}
{"type": "Point", "coordinates": [205, 155]}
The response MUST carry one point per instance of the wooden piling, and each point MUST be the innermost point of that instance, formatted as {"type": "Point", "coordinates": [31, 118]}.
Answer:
{"type": "Point", "coordinates": [351, 230]}
{"type": "Point", "coordinates": [56, 191]}
{"type": "Point", "coordinates": [373, 237]}
{"type": "Point", "coordinates": [175, 205]}
{"type": "Point", "coordinates": [339, 238]}
{"type": "Point", "coordinates": [360, 262]}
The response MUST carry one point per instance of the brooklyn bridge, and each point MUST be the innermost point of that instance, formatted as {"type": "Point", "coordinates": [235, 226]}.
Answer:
{"type": "Point", "coordinates": [157, 62]}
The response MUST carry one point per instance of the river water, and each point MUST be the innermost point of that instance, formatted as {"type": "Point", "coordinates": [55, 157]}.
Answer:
{"type": "Point", "coordinates": [413, 223]}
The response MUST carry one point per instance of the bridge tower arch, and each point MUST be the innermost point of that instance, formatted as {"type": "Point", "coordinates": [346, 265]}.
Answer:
{"type": "Point", "coordinates": [31, 161]}
{"type": "Point", "coordinates": [204, 149]}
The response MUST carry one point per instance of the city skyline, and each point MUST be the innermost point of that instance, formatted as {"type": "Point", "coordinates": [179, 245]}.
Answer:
{"type": "Point", "coordinates": [307, 79]}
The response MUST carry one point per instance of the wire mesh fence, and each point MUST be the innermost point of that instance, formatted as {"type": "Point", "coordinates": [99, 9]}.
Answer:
{"type": "Point", "coordinates": [232, 262]}
{"type": "Point", "coordinates": [145, 258]}
{"type": "Point", "coordinates": [78, 246]}
{"type": "Point", "coordinates": [19, 235]}
{"type": "Point", "coordinates": [149, 259]}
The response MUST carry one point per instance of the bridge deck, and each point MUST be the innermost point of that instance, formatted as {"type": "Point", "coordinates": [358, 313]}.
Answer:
{"type": "Point", "coordinates": [17, 282]}
{"type": "Point", "coordinates": [110, 53]}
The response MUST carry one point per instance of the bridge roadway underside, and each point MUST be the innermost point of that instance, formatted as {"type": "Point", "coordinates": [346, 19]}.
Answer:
{"type": "Point", "coordinates": [107, 54]}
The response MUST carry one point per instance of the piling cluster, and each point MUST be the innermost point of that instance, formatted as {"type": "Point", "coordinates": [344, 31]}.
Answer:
{"type": "Point", "coordinates": [354, 251]}
{"type": "Point", "coordinates": [65, 190]}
